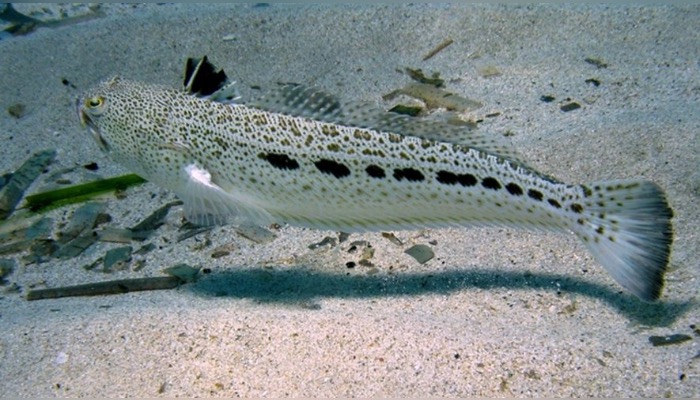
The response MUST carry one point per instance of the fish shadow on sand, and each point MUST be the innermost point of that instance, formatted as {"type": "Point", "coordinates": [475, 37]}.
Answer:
{"type": "Point", "coordinates": [304, 287]}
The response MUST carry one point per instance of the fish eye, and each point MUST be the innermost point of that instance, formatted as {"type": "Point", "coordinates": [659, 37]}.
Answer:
{"type": "Point", "coordinates": [95, 102]}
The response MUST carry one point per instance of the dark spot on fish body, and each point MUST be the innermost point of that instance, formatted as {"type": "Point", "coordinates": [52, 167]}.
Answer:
{"type": "Point", "coordinates": [359, 134]}
{"type": "Point", "coordinates": [222, 143]}
{"type": "Point", "coordinates": [554, 203]}
{"type": "Point", "coordinates": [410, 174]}
{"type": "Point", "coordinates": [514, 189]}
{"type": "Point", "coordinates": [280, 161]}
{"type": "Point", "coordinates": [395, 138]}
{"type": "Point", "coordinates": [466, 180]}
{"type": "Point", "coordinates": [331, 167]}
{"type": "Point", "coordinates": [329, 131]}
{"type": "Point", "coordinates": [535, 194]}
{"type": "Point", "coordinates": [447, 178]}
{"type": "Point", "coordinates": [490, 183]}
{"type": "Point", "coordinates": [375, 171]}
{"type": "Point", "coordinates": [450, 178]}
{"type": "Point", "coordinates": [577, 208]}
{"type": "Point", "coordinates": [333, 147]}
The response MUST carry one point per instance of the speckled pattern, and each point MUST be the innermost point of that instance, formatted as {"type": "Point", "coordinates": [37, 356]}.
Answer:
{"type": "Point", "coordinates": [318, 174]}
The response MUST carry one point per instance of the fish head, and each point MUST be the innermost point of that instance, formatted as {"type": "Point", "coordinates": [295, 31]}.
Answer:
{"type": "Point", "coordinates": [129, 122]}
{"type": "Point", "coordinates": [107, 111]}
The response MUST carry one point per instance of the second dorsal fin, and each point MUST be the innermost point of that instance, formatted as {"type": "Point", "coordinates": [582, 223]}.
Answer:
{"type": "Point", "coordinates": [302, 101]}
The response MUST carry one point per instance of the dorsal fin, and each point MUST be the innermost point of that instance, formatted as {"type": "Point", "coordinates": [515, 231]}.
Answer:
{"type": "Point", "coordinates": [302, 101]}
{"type": "Point", "coordinates": [202, 80]}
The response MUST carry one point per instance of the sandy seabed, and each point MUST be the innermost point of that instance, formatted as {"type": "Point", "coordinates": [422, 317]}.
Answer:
{"type": "Point", "coordinates": [497, 312]}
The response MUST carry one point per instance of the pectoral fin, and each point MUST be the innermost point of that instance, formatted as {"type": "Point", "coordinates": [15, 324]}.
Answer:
{"type": "Point", "coordinates": [206, 203]}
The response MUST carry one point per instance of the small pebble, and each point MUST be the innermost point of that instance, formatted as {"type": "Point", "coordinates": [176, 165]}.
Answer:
{"type": "Point", "coordinates": [17, 110]}
{"type": "Point", "coordinates": [147, 248]}
{"type": "Point", "coordinates": [570, 106]}
{"type": "Point", "coordinates": [367, 253]}
{"type": "Point", "coordinates": [327, 241]}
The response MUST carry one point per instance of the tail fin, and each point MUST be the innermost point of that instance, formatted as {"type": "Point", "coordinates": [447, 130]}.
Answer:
{"type": "Point", "coordinates": [627, 227]}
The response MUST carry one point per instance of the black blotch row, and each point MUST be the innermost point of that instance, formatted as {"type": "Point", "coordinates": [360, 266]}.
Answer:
{"type": "Point", "coordinates": [450, 178]}
{"type": "Point", "coordinates": [577, 208]}
{"type": "Point", "coordinates": [514, 189]}
{"type": "Point", "coordinates": [375, 171]}
{"type": "Point", "coordinates": [332, 168]}
{"type": "Point", "coordinates": [490, 183]}
{"type": "Point", "coordinates": [280, 161]}
{"type": "Point", "coordinates": [409, 174]}
{"type": "Point", "coordinates": [535, 194]}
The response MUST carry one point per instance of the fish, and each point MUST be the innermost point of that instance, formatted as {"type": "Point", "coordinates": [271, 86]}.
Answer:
{"type": "Point", "coordinates": [300, 156]}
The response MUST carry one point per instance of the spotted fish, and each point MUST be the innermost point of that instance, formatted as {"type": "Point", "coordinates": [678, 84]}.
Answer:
{"type": "Point", "coordinates": [303, 157]}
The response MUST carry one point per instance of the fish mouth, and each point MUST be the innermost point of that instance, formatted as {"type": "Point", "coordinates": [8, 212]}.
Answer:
{"type": "Point", "coordinates": [87, 122]}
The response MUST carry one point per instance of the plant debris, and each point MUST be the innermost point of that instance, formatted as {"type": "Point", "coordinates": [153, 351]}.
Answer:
{"type": "Point", "coordinates": [80, 193]}
{"type": "Point", "coordinates": [412, 111]}
{"type": "Point", "coordinates": [119, 286]}
{"type": "Point", "coordinates": [421, 252]}
{"type": "Point", "coordinates": [21, 24]}
{"type": "Point", "coordinates": [676, 338]}
{"type": "Point", "coordinates": [434, 97]}
{"type": "Point", "coordinates": [155, 220]}
{"type": "Point", "coordinates": [183, 272]}
{"type": "Point", "coordinates": [117, 259]}
{"type": "Point", "coordinates": [84, 218]}
{"type": "Point", "coordinates": [21, 179]}
{"type": "Point", "coordinates": [489, 71]}
{"type": "Point", "coordinates": [438, 49]}
{"type": "Point", "coordinates": [392, 238]}
{"type": "Point", "coordinates": [76, 246]}
{"type": "Point", "coordinates": [598, 63]}
{"type": "Point", "coordinates": [7, 267]}
{"type": "Point", "coordinates": [256, 233]}
{"type": "Point", "coordinates": [418, 76]}
{"type": "Point", "coordinates": [121, 235]}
